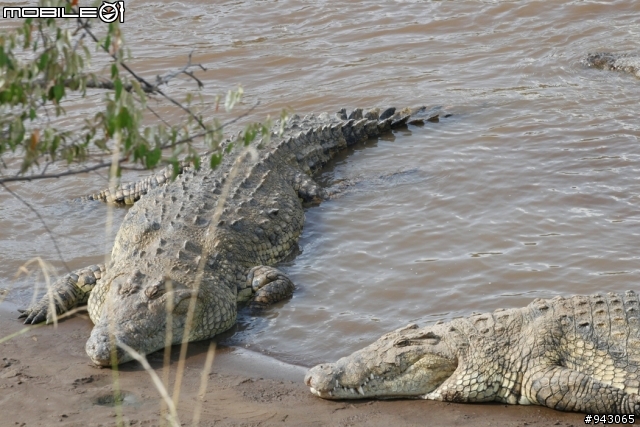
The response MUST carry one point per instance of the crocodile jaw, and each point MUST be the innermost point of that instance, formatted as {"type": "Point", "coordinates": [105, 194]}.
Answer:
{"type": "Point", "coordinates": [406, 363]}
{"type": "Point", "coordinates": [104, 346]}
{"type": "Point", "coordinates": [135, 313]}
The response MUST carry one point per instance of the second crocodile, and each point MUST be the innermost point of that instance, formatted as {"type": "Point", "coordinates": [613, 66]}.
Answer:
{"type": "Point", "coordinates": [580, 353]}
{"type": "Point", "coordinates": [626, 63]}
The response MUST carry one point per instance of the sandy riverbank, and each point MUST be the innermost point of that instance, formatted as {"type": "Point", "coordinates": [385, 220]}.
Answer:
{"type": "Point", "coordinates": [46, 379]}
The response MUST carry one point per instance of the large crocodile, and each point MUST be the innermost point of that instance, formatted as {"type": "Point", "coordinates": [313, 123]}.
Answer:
{"type": "Point", "coordinates": [626, 63]}
{"type": "Point", "coordinates": [580, 353]}
{"type": "Point", "coordinates": [209, 239]}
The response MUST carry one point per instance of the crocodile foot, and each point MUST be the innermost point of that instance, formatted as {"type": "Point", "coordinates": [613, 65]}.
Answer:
{"type": "Point", "coordinates": [34, 314]}
{"type": "Point", "coordinates": [51, 304]}
{"type": "Point", "coordinates": [68, 292]}
{"type": "Point", "coordinates": [269, 285]}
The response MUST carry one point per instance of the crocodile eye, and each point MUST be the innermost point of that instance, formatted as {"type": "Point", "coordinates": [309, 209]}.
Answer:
{"type": "Point", "coordinates": [402, 342]}
{"type": "Point", "coordinates": [154, 291]}
{"type": "Point", "coordinates": [429, 338]}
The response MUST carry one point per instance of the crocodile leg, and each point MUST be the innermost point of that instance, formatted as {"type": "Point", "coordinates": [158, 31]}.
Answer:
{"type": "Point", "coordinates": [269, 284]}
{"type": "Point", "coordinates": [568, 390]}
{"type": "Point", "coordinates": [306, 187]}
{"type": "Point", "coordinates": [464, 385]}
{"type": "Point", "coordinates": [66, 293]}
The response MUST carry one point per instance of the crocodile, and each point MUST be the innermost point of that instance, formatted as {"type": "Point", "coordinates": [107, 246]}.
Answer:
{"type": "Point", "coordinates": [190, 250]}
{"type": "Point", "coordinates": [627, 63]}
{"type": "Point", "coordinates": [579, 353]}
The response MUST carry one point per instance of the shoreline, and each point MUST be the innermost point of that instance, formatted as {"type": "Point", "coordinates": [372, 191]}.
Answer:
{"type": "Point", "coordinates": [47, 379]}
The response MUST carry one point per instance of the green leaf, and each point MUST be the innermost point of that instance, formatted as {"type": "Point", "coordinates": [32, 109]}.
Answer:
{"type": "Point", "coordinates": [249, 135]}
{"type": "Point", "coordinates": [124, 119]}
{"type": "Point", "coordinates": [215, 160]}
{"type": "Point", "coordinates": [43, 61]}
{"type": "Point", "coordinates": [118, 88]}
{"type": "Point", "coordinates": [5, 60]}
{"type": "Point", "coordinates": [54, 146]}
{"type": "Point", "coordinates": [58, 91]}
{"type": "Point", "coordinates": [153, 157]}
{"type": "Point", "coordinates": [107, 43]}
{"type": "Point", "coordinates": [196, 161]}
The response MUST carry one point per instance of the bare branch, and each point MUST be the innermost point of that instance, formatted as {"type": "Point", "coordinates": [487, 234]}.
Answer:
{"type": "Point", "coordinates": [141, 80]}
{"type": "Point", "coordinates": [184, 70]}
{"type": "Point", "coordinates": [44, 224]}
{"type": "Point", "coordinates": [82, 36]}
{"type": "Point", "coordinates": [101, 83]}
{"type": "Point", "coordinates": [16, 178]}
{"type": "Point", "coordinates": [107, 84]}
{"type": "Point", "coordinates": [158, 116]}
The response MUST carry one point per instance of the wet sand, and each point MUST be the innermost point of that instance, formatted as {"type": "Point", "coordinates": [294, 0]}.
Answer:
{"type": "Point", "coordinates": [47, 379]}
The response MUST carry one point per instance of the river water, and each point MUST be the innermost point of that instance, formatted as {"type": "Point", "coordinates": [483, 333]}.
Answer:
{"type": "Point", "coordinates": [530, 189]}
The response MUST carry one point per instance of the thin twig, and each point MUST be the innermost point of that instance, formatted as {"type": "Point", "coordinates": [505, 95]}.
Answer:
{"type": "Point", "coordinates": [158, 116]}
{"type": "Point", "coordinates": [101, 165]}
{"type": "Point", "coordinates": [222, 199]}
{"type": "Point", "coordinates": [75, 46]}
{"type": "Point", "coordinates": [167, 77]}
{"type": "Point", "coordinates": [140, 79]}
{"type": "Point", "coordinates": [156, 381]}
{"type": "Point", "coordinates": [55, 244]}
{"type": "Point", "coordinates": [204, 379]}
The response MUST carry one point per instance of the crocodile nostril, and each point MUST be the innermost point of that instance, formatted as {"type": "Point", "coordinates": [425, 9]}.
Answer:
{"type": "Point", "coordinates": [307, 380]}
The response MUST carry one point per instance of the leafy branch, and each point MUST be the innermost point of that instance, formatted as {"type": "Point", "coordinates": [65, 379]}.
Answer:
{"type": "Point", "coordinates": [44, 60]}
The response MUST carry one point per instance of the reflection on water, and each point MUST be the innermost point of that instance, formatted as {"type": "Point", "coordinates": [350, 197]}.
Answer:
{"type": "Point", "coordinates": [529, 190]}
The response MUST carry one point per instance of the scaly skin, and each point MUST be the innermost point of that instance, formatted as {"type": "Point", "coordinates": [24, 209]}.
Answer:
{"type": "Point", "coordinates": [129, 193]}
{"type": "Point", "coordinates": [209, 235]}
{"type": "Point", "coordinates": [577, 354]}
{"type": "Point", "coordinates": [616, 62]}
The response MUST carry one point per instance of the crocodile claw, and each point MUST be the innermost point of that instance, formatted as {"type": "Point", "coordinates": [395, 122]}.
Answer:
{"type": "Point", "coordinates": [34, 315]}
{"type": "Point", "coordinates": [70, 291]}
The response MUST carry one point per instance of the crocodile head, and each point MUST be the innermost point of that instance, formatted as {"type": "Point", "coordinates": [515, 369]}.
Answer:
{"type": "Point", "coordinates": [408, 362]}
{"type": "Point", "coordinates": [136, 311]}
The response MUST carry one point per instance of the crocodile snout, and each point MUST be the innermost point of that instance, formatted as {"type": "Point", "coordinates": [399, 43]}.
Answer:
{"type": "Point", "coordinates": [103, 349]}
{"type": "Point", "coordinates": [321, 380]}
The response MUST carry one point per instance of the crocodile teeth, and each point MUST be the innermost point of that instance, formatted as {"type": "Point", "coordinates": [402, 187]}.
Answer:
{"type": "Point", "coordinates": [352, 391]}
{"type": "Point", "coordinates": [330, 394]}
{"type": "Point", "coordinates": [337, 383]}
{"type": "Point", "coordinates": [360, 390]}
{"type": "Point", "coordinates": [372, 376]}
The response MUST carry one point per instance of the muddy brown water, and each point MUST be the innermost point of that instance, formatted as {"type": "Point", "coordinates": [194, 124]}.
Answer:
{"type": "Point", "coordinates": [530, 189]}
